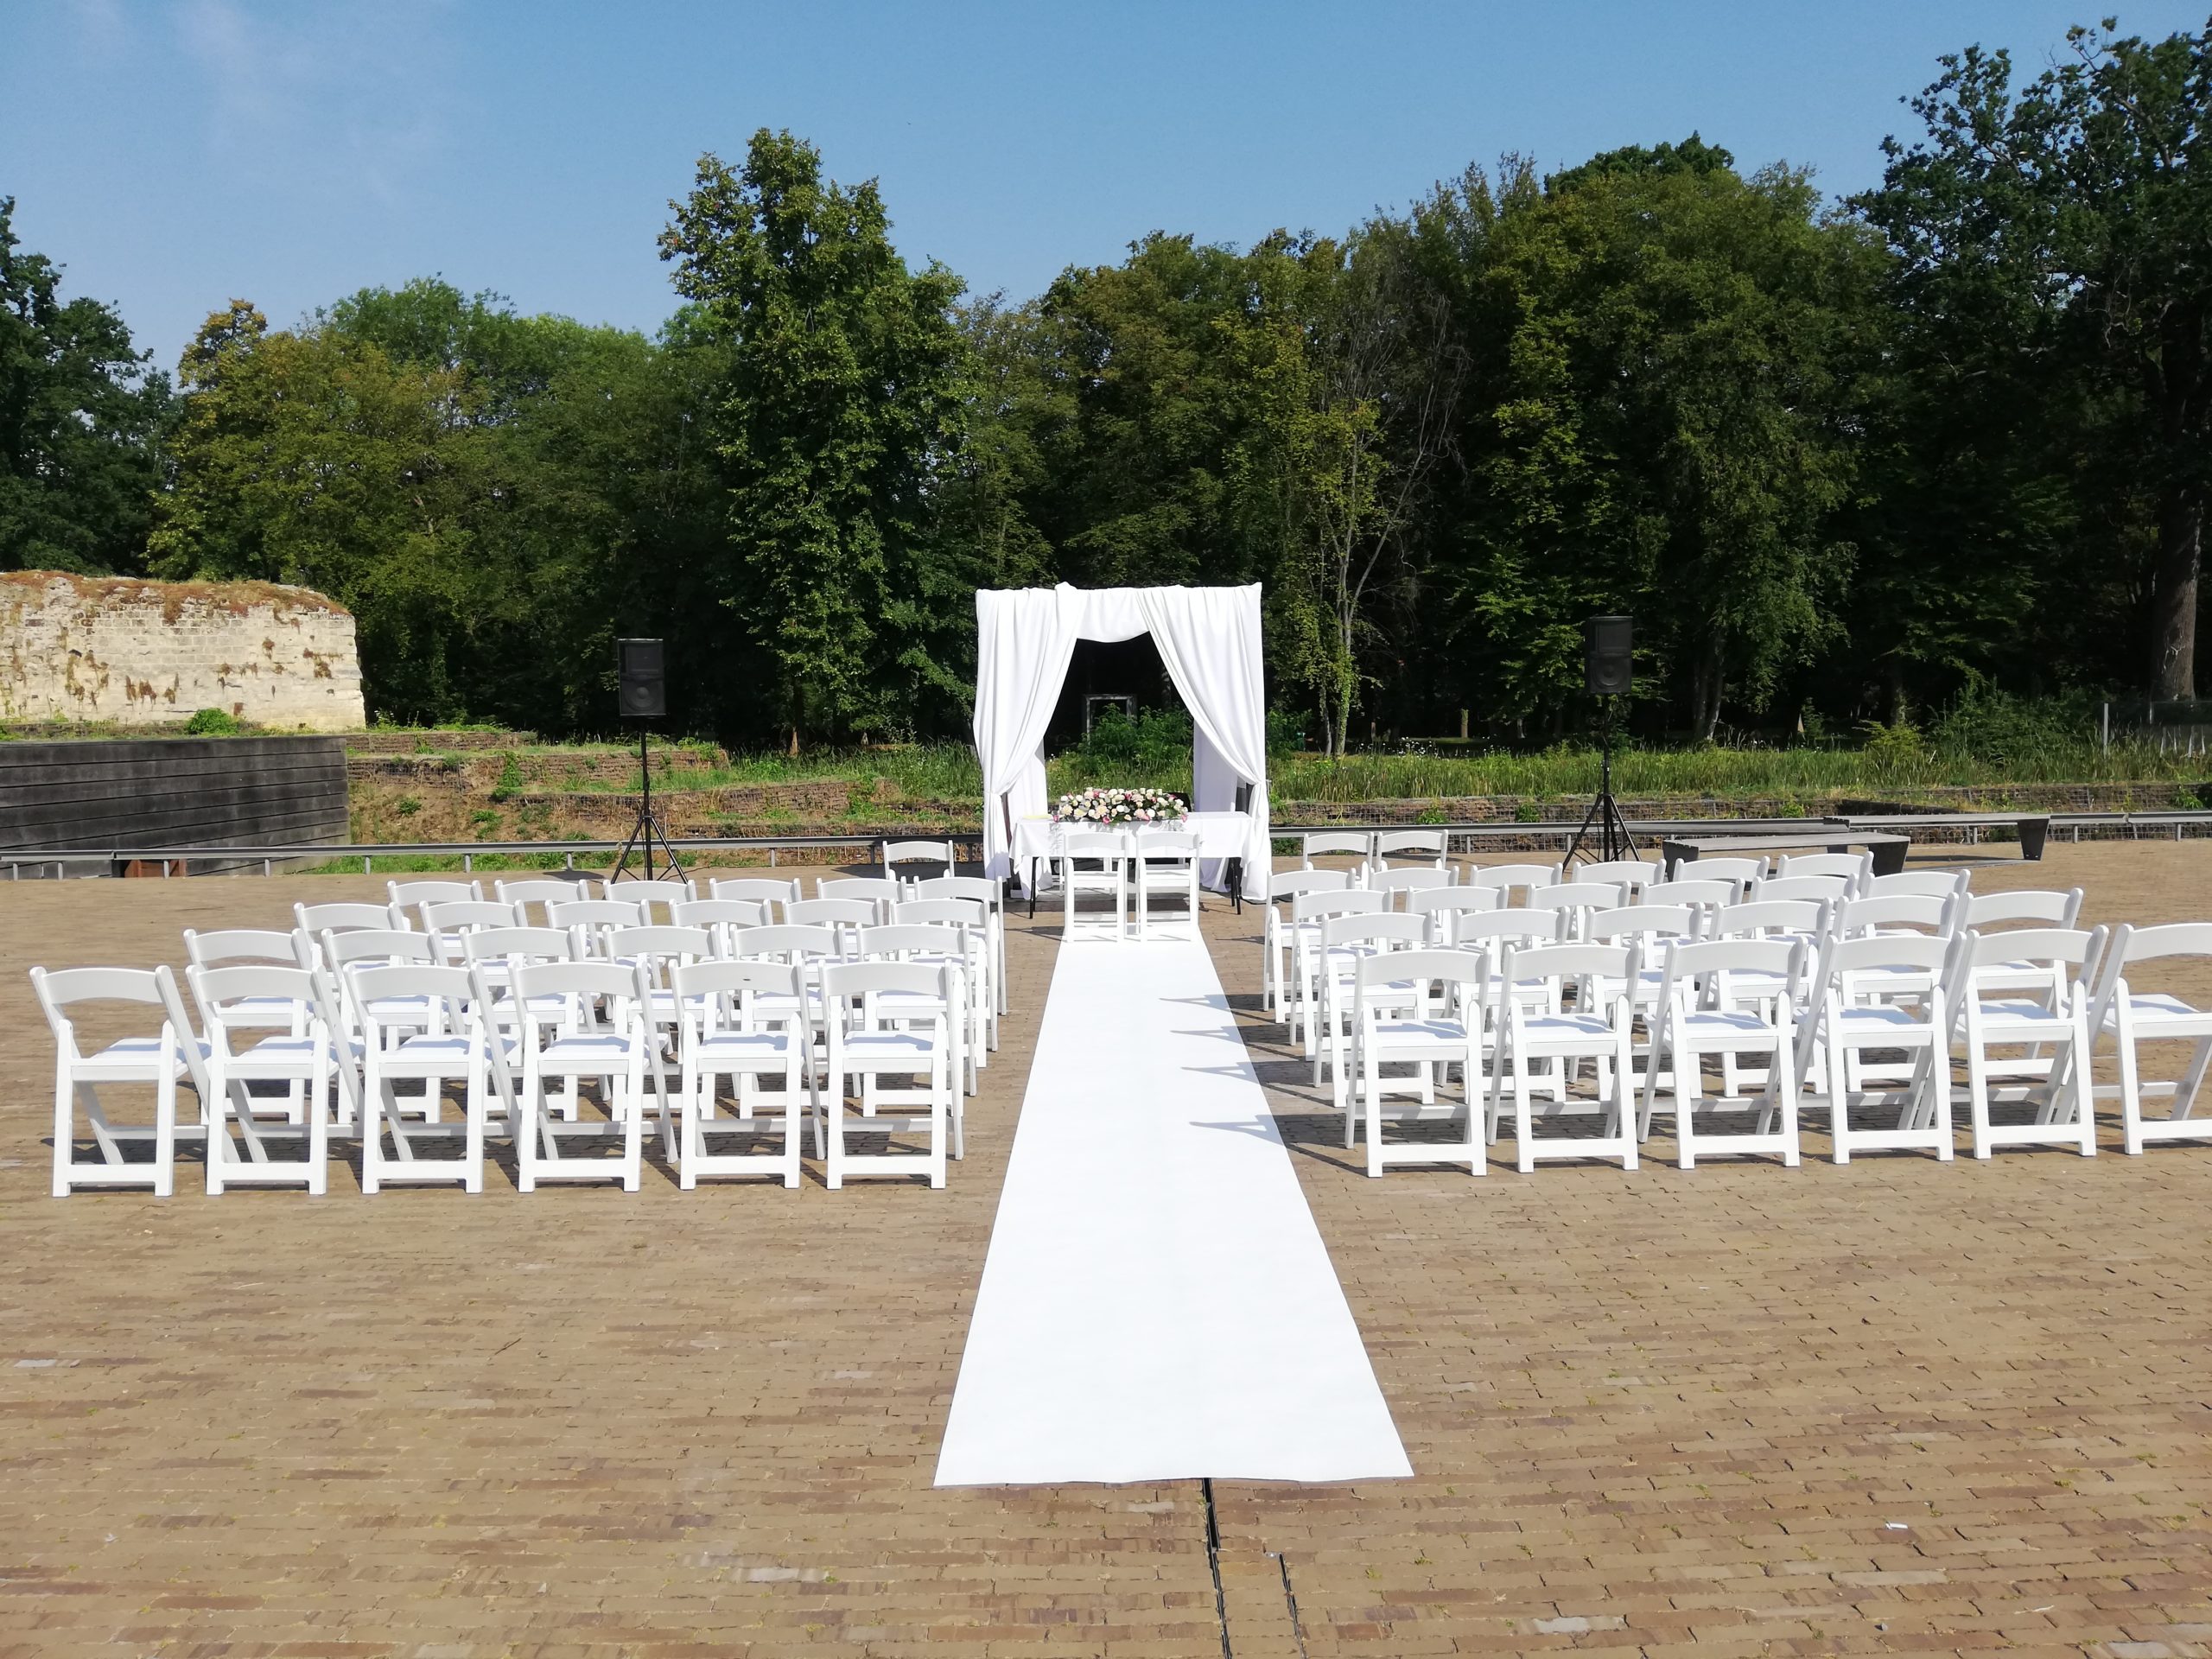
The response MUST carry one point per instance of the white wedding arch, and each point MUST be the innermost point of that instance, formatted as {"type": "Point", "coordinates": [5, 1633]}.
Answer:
{"type": "Point", "coordinates": [1209, 638]}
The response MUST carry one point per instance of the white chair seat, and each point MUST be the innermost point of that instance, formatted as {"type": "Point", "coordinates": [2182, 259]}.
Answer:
{"type": "Point", "coordinates": [725, 1046]}
{"type": "Point", "coordinates": [1722, 1022]}
{"type": "Point", "coordinates": [1538, 1027]}
{"type": "Point", "coordinates": [1393, 1036]}
{"type": "Point", "coordinates": [132, 1060]}
{"type": "Point", "coordinates": [888, 1045]}
{"type": "Point", "coordinates": [1881, 1015]}
{"type": "Point", "coordinates": [599, 1048]}
{"type": "Point", "coordinates": [2157, 1008]}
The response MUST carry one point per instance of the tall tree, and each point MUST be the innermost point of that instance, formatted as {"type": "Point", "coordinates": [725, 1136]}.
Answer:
{"type": "Point", "coordinates": [2072, 219]}
{"type": "Point", "coordinates": [82, 419]}
{"type": "Point", "coordinates": [845, 394]}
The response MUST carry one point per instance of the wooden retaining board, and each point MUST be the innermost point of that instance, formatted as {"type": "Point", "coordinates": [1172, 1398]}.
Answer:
{"type": "Point", "coordinates": [153, 792]}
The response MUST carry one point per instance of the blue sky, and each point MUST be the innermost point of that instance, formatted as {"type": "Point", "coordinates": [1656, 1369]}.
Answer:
{"type": "Point", "coordinates": [173, 155]}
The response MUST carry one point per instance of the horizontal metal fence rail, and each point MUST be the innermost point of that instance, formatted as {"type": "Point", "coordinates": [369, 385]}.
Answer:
{"type": "Point", "coordinates": [1463, 836]}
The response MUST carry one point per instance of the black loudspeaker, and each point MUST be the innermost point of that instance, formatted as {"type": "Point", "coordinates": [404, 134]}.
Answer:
{"type": "Point", "coordinates": [1608, 665]}
{"type": "Point", "coordinates": [644, 694]}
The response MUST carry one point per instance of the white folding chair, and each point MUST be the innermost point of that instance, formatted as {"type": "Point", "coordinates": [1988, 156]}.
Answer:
{"type": "Point", "coordinates": [871, 1036]}
{"type": "Point", "coordinates": [418, 1024]}
{"type": "Point", "coordinates": [235, 1002]}
{"type": "Point", "coordinates": [971, 916]}
{"type": "Point", "coordinates": [2131, 1017]}
{"type": "Point", "coordinates": [243, 946]}
{"type": "Point", "coordinates": [1438, 1025]}
{"type": "Point", "coordinates": [1854, 1010]}
{"type": "Point", "coordinates": [1428, 845]}
{"type": "Point", "coordinates": [846, 916]}
{"type": "Point", "coordinates": [1535, 1023]}
{"type": "Point", "coordinates": [1854, 868]}
{"type": "Point", "coordinates": [1356, 844]}
{"type": "Point", "coordinates": [1719, 999]}
{"type": "Point", "coordinates": [899, 854]}
{"type": "Point", "coordinates": [1509, 879]}
{"type": "Point", "coordinates": [602, 1032]}
{"type": "Point", "coordinates": [1110, 850]}
{"type": "Point", "coordinates": [1165, 862]}
{"type": "Point", "coordinates": [1346, 942]}
{"type": "Point", "coordinates": [1275, 934]}
{"type": "Point", "coordinates": [772, 891]}
{"type": "Point", "coordinates": [1631, 875]}
{"type": "Point", "coordinates": [2024, 990]}
{"type": "Point", "coordinates": [1990, 912]}
{"type": "Point", "coordinates": [726, 1034]}
{"type": "Point", "coordinates": [1704, 896]}
{"type": "Point", "coordinates": [944, 947]}
{"type": "Point", "coordinates": [408, 895]}
{"type": "Point", "coordinates": [493, 953]}
{"type": "Point", "coordinates": [172, 1055]}
{"type": "Point", "coordinates": [1308, 911]}
{"type": "Point", "coordinates": [721, 917]}
{"type": "Point", "coordinates": [589, 921]}
{"type": "Point", "coordinates": [1649, 929]}
{"type": "Point", "coordinates": [992, 897]}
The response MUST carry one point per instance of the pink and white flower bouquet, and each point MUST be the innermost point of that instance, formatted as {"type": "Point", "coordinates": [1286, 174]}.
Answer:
{"type": "Point", "coordinates": [1112, 806]}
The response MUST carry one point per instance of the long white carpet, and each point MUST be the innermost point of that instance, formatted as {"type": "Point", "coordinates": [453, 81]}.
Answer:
{"type": "Point", "coordinates": [1157, 1303]}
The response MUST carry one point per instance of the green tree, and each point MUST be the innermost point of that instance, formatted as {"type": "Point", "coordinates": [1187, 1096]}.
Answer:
{"type": "Point", "coordinates": [81, 421]}
{"type": "Point", "coordinates": [847, 385]}
{"type": "Point", "coordinates": [2068, 223]}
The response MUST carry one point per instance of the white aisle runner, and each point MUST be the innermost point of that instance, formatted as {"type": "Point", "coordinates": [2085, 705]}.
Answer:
{"type": "Point", "coordinates": [1157, 1303]}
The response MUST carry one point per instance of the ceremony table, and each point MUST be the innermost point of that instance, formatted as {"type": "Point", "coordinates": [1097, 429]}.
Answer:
{"type": "Point", "coordinates": [1221, 835]}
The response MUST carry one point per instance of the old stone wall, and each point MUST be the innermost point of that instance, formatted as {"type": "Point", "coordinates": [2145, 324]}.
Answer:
{"type": "Point", "coordinates": [116, 650]}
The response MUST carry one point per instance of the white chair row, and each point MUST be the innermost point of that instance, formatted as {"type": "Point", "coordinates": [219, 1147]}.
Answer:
{"type": "Point", "coordinates": [1132, 867]}
{"type": "Point", "coordinates": [336, 1028]}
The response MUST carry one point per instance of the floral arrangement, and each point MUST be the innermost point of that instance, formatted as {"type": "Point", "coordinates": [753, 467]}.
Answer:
{"type": "Point", "coordinates": [1119, 806]}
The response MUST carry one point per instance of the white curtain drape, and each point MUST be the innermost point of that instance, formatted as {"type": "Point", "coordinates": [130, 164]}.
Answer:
{"type": "Point", "coordinates": [1209, 638]}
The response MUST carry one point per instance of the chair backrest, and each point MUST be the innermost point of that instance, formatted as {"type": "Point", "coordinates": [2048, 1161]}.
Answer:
{"type": "Point", "coordinates": [1178, 846]}
{"type": "Point", "coordinates": [1336, 843]}
{"type": "Point", "coordinates": [1577, 895]}
{"type": "Point", "coordinates": [2066, 946]}
{"type": "Point", "coordinates": [228, 944]}
{"type": "Point", "coordinates": [1917, 884]}
{"type": "Point", "coordinates": [63, 989]}
{"type": "Point", "coordinates": [980, 888]}
{"type": "Point", "coordinates": [958, 913]}
{"type": "Point", "coordinates": [1418, 879]}
{"type": "Point", "coordinates": [896, 853]}
{"type": "Point", "coordinates": [1633, 874]}
{"type": "Point", "coordinates": [1921, 952]}
{"type": "Point", "coordinates": [595, 912]}
{"type": "Point", "coordinates": [1986, 910]}
{"type": "Point", "coordinates": [624, 983]}
{"type": "Point", "coordinates": [461, 915]}
{"type": "Point", "coordinates": [1491, 926]}
{"type": "Point", "coordinates": [377, 986]}
{"type": "Point", "coordinates": [319, 919]}
{"type": "Point", "coordinates": [661, 893]}
{"type": "Point", "coordinates": [1443, 907]}
{"type": "Point", "coordinates": [1743, 871]}
{"type": "Point", "coordinates": [1096, 843]}
{"type": "Point", "coordinates": [1645, 921]}
{"type": "Point", "coordinates": [722, 912]}
{"type": "Point", "coordinates": [1853, 867]}
{"type": "Point", "coordinates": [877, 889]}
{"type": "Point", "coordinates": [832, 912]}
{"type": "Point", "coordinates": [1699, 959]}
{"type": "Point", "coordinates": [1763, 917]}
{"type": "Point", "coordinates": [513, 944]}
{"type": "Point", "coordinates": [901, 939]}
{"type": "Point", "coordinates": [377, 944]}
{"type": "Point", "coordinates": [1891, 913]}
{"type": "Point", "coordinates": [788, 942]}
{"type": "Point", "coordinates": [695, 982]}
{"type": "Point", "coordinates": [2133, 944]}
{"type": "Point", "coordinates": [1381, 928]}
{"type": "Point", "coordinates": [1819, 889]}
{"type": "Point", "coordinates": [760, 889]}
{"type": "Point", "coordinates": [1288, 884]}
{"type": "Point", "coordinates": [1521, 964]}
{"type": "Point", "coordinates": [659, 942]}
{"type": "Point", "coordinates": [1428, 845]}
{"type": "Point", "coordinates": [539, 890]}
{"type": "Point", "coordinates": [1692, 891]}
{"type": "Point", "coordinates": [216, 988]}
{"type": "Point", "coordinates": [843, 982]}
{"type": "Point", "coordinates": [1343, 901]}
{"type": "Point", "coordinates": [411, 894]}
{"type": "Point", "coordinates": [1506, 877]}
{"type": "Point", "coordinates": [1423, 966]}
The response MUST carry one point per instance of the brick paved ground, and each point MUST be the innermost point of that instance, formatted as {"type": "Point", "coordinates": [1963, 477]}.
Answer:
{"type": "Point", "coordinates": [1893, 1408]}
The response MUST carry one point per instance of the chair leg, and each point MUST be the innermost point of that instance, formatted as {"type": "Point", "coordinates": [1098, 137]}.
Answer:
{"type": "Point", "coordinates": [2131, 1100]}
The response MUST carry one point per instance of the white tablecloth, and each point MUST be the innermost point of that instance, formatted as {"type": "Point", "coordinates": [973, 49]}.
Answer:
{"type": "Point", "coordinates": [1221, 835]}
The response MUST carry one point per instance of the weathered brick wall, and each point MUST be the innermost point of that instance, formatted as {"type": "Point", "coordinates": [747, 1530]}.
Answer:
{"type": "Point", "coordinates": [115, 651]}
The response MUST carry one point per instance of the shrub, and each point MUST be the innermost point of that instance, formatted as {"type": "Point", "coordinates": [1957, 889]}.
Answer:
{"type": "Point", "coordinates": [213, 722]}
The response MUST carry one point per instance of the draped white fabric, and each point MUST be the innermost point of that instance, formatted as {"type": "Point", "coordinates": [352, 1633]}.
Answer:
{"type": "Point", "coordinates": [1209, 638]}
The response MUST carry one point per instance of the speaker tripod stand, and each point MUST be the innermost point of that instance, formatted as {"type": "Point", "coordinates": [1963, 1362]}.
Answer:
{"type": "Point", "coordinates": [648, 832]}
{"type": "Point", "coordinates": [1603, 818]}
